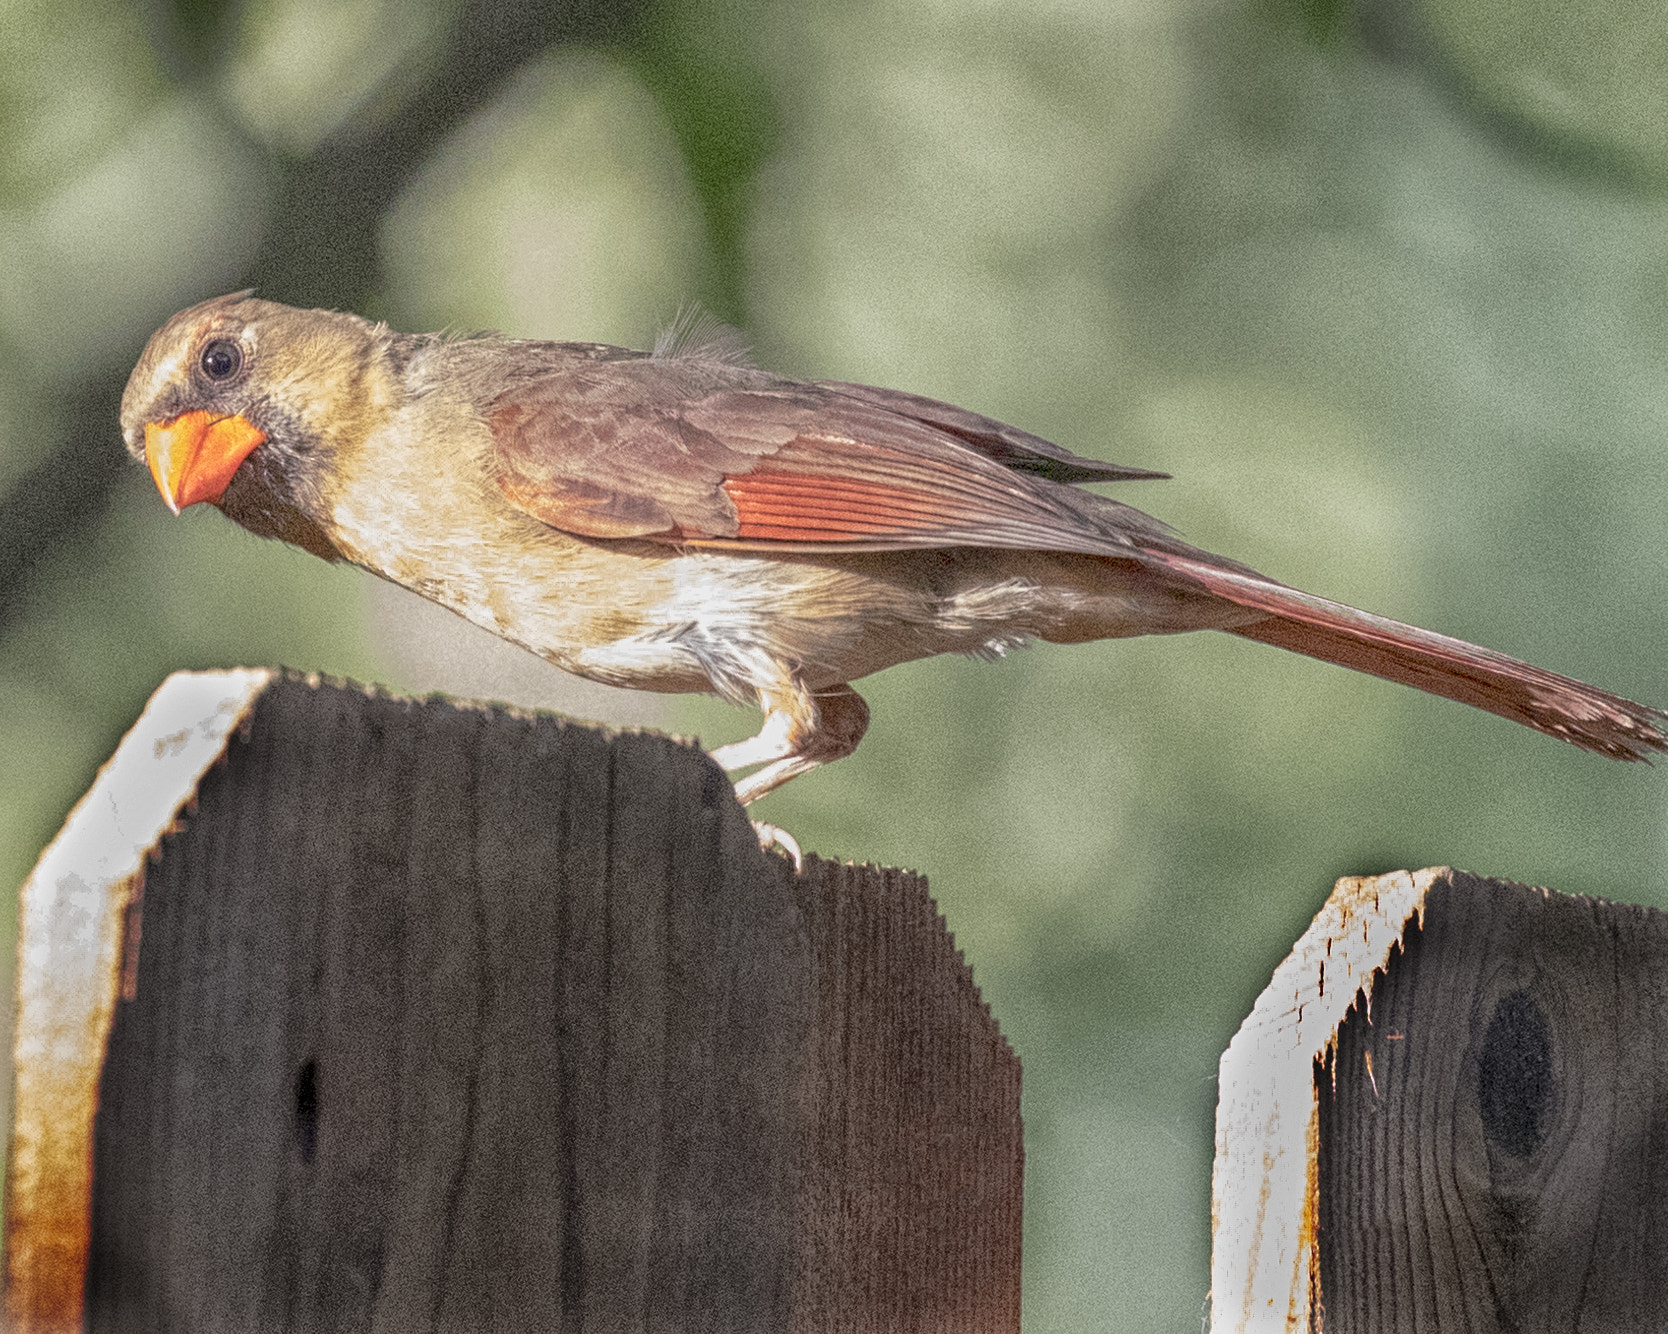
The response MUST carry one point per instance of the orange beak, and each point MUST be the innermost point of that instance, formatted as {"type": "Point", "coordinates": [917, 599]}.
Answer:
{"type": "Point", "coordinates": [194, 456]}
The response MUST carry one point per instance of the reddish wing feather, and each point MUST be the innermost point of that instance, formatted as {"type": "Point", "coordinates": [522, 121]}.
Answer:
{"type": "Point", "coordinates": [824, 490]}
{"type": "Point", "coordinates": [793, 508]}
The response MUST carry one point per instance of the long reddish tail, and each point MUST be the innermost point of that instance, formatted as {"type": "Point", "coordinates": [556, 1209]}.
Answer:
{"type": "Point", "coordinates": [1581, 714]}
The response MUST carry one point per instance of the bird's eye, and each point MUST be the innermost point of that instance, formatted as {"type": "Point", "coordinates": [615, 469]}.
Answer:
{"type": "Point", "coordinates": [221, 359]}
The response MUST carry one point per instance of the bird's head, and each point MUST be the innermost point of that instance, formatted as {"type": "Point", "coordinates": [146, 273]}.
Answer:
{"type": "Point", "coordinates": [247, 404]}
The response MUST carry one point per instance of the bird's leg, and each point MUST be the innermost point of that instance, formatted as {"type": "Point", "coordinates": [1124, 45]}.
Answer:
{"type": "Point", "coordinates": [774, 741]}
{"type": "Point", "coordinates": [802, 730]}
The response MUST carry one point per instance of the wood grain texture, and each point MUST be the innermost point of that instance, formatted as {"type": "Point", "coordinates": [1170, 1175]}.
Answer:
{"type": "Point", "coordinates": [1493, 1148]}
{"type": "Point", "coordinates": [454, 1019]}
{"type": "Point", "coordinates": [874, 1231]}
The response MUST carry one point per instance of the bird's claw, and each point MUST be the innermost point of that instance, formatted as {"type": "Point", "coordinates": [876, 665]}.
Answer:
{"type": "Point", "coordinates": [773, 836]}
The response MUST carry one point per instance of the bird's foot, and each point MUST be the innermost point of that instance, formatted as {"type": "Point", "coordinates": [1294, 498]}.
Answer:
{"type": "Point", "coordinates": [791, 743]}
{"type": "Point", "coordinates": [774, 836]}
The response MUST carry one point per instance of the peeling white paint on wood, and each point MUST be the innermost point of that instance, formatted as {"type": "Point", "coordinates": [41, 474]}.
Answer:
{"type": "Point", "coordinates": [1264, 1262]}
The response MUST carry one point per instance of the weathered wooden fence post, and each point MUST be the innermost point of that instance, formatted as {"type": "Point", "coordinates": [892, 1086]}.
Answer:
{"type": "Point", "coordinates": [1449, 1110]}
{"type": "Point", "coordinates": [407, 1016]}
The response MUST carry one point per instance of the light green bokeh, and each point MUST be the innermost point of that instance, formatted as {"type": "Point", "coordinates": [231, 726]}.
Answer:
{"type": "Point", "coordinates": [169, 213]}
{"type": "Point", "coordinates": [562, 211]}
{"type": "Point", "coordinates": [117, 197]}
{"type": "Point", "coordinates": [1266, 468]}
{"type": "Point", "coordinates": [73, 79]}
{"type": "Point", "coordinates": [301, 69]}
{"type": "Point", "coordinates": [1588, 73]}
{"type": "Point", "coordinates": [946, 169]}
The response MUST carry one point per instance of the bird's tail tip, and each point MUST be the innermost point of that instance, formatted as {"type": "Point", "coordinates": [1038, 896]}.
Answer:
{"type": "Point", "coordinates": [1560, 706]}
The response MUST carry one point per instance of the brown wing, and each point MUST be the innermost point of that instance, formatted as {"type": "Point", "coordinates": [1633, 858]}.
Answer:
{"type": "Point", "coordinates": [701, 453]}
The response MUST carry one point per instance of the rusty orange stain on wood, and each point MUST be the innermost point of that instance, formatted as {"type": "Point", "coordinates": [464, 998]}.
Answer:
{"type": "Point", "coordinates": [1306, 1311]}
{"type": "Point", "coordinates": [77, 953]}
{"type": "Point", "coordinates": [60, 1053]}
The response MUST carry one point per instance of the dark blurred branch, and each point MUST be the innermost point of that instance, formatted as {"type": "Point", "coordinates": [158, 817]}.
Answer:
{"type": "Point", "coordinates": [67, 489]}
{"type": "Point", "coordinates": [320, 247]}
{"type": "Point", "coordinates": [725, 121]}
{"type": "Point", "coordinates": [190, 34]}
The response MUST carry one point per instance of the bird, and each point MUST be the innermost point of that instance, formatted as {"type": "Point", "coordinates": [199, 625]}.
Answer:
{"type": "Point", "coordinates": [681, 520]}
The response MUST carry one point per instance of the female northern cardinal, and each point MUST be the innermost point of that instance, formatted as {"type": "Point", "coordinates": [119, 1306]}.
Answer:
{"type": "Point", "coordinates": [681, 521]}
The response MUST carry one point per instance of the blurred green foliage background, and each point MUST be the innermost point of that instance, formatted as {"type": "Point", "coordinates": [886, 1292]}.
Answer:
{"type": "Point", "coordinates": [1382, 282]}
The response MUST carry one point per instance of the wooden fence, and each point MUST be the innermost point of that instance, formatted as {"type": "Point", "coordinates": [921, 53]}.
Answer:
{"type": "Point", "coordinates": [1449, 1111]}
{"type": "Point", "coordinates": [340, 1011]}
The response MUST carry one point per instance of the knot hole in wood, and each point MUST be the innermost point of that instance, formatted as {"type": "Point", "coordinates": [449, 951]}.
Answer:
{"type": "Point", "coordinates": [1515, 1084]}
